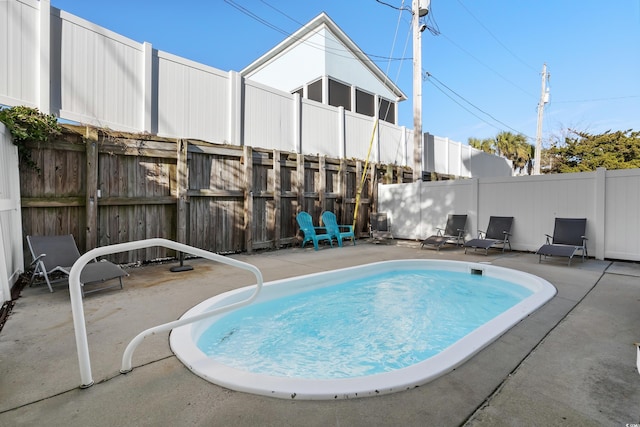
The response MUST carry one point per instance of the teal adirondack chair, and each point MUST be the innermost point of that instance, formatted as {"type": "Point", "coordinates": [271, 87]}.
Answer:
{"type": "Point", "coordinates": [310, 231]}
{"type": "Point", "coordinates": [331, 223]}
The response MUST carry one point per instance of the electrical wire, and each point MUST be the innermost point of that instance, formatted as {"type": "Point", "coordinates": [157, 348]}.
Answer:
{"type": "Point", "coordinates": [340, 52]}
{"type": "Point", "coordinates": [430, 76]}
{"type": "Point", "coordinates": [496, 38]}
{"type": "Point", "coordinates": [488, 67]}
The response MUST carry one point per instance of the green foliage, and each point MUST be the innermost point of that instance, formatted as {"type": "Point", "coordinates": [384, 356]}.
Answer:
{"type": "Point", "coordinates": [28, 124]}
{"type": "Point", "coordinates": [486, 145]}
{"type": "Point", "coordinates": [509, 145]}
{"type": "Point", "coordinates": [583, 152]}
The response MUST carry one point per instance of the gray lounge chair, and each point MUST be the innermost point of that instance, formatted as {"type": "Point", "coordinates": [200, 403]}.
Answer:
{"type": "Point", "coordinates": [453, 233]}
{"type": "Point", "coordinates": [379, 227]}
{"type": "Point", "coordinates": [497, 235]}
{"type": "Point", "coordinates": [568, 238]}
{"type": "Point", "coordinates": [58, 254]}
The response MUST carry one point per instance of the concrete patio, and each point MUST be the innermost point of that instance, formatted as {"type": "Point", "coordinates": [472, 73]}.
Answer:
{"type": "Point", "coordinates": [570, 363]}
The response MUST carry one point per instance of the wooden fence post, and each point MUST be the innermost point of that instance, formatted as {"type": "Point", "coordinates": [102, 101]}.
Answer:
{"type": "Point", "coordinates": [182, 178]}
{"type": "Point", "coordinates": [91, 206]}
{"type": "Point", "coordinates": [248, 197]}
{"type": "Point", "coordinates": [322, 174]}
{"type": "Point", "coordinates": [277, 199]}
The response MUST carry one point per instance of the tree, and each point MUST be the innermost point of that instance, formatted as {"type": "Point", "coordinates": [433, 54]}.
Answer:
{"type": "Point", "coordinates": [486, 145]}
{"type": "Point", "coordinates": [581, 151]}
{"type": "Point", "coordinates": [509, 145]}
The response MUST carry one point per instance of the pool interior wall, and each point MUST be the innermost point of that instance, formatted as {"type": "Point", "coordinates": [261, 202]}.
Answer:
{"type": "Point", "coordinates": [183, 339]}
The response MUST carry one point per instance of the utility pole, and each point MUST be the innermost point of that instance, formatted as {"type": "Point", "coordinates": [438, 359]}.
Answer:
{"type": "Point", "coordinates": [419, 8]}
{"type": "Point", "coordinates": [544, 98]}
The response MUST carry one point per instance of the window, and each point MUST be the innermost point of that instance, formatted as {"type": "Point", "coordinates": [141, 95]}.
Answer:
{"type": "Point", "coordinates": [387, 111]}
{"type": "Point", "coordinates": [365, 103]}
{"type": "Point", "coordinates": [339, 95]}
{"type": "Point", "coordinates": [314, 91]}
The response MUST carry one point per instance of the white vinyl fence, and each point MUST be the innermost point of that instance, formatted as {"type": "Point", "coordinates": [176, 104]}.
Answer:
{"type": "Point", "coordinates": [610, 200]}
{"type": "Point", "coordinates": [79, 71]}
{"type": "Point", "coordinates": [11, 258]}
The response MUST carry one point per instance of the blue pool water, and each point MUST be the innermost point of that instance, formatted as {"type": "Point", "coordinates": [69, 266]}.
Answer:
{"type": "Point", "coordinates": [360, 331]}
{"type": "Point", "coordinates": [365, 326]}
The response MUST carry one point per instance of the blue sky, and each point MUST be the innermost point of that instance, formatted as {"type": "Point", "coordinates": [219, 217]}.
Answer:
{"type": "Point", "coordinates": [485, 63]}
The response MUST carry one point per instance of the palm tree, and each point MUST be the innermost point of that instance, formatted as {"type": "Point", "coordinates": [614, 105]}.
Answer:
{"type": "Point", "coordinates": [486, 145]}
{"type": "Point", "coordinates": [515, 148]}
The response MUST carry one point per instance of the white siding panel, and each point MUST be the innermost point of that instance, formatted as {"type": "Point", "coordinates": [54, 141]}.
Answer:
{"type": "Point", "coordinates": [358, 131]}
{"type": "Point", "coordinates": [11, 257]}
{"type": "Point", "coordinates": [622, 204]}
{"type": "Point", "coordinates": [193, 100]}
{"type": "Point", "coordinates": [19, 69]}
{"type": "Point", "coordinates": [393, 148]}
{"type": "Point", "coordinates": [401, 203]}
{"type": "Point", "coordinates": [319, 128]}
{"type": "Point", "coordinates": [268, 118]}
{"type": "Point", "coordinates": [101, 75]}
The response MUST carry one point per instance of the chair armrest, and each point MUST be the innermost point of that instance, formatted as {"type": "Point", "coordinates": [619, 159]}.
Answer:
{"type": "Point", "coordinates": [549, 239]}
{"type": "Point", "coordinates": [348, 227]}
{"type": "Point", "coordinates": [38, 259]}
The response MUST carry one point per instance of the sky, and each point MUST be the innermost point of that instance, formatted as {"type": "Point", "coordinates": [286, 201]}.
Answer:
{"type": "Point", "coordinates": [484, 58]}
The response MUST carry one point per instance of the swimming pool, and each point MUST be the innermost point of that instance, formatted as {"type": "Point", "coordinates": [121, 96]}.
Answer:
{"type": "Point", "coordinates": [408, 374]}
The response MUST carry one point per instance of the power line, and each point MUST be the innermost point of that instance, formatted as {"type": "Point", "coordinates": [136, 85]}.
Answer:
{"type": "Point", "coordinates": [331, 50]}
{"type": "Point", "coordinates": [496, 38]}
{"type": "Point", "coordinates": [488, 67]}
{"type": "Point", "coordinates": [431, 76]}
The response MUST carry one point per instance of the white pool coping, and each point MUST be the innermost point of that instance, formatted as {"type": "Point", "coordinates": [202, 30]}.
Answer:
{"type": "Point", "coordinates": [183, 339]}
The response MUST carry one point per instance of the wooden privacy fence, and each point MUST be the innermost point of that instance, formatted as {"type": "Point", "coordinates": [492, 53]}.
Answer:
{"type": "Point", "coordinates": [106, 187]}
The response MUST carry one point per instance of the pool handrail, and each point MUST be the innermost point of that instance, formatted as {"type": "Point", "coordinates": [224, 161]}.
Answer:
{"type": "Point", "coordinates": [77, 307]}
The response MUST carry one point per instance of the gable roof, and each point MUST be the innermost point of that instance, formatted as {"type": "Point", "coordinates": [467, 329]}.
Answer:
{"type": "Point", "coordinates": [314, 26]}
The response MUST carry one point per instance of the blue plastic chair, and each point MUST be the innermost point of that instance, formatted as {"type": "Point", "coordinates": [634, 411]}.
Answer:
{"type": "Point", "coordinates": [331, 223]}
{"type": "Point", "coordinates": [305, 222]}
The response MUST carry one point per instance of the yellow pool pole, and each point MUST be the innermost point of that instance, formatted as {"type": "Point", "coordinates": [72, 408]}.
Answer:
{"type": "Point", "coordinates": [364, 175]}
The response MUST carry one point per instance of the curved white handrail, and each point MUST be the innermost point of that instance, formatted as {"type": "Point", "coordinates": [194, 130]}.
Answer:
{"type": "Point", "coordinates": [77, 307]}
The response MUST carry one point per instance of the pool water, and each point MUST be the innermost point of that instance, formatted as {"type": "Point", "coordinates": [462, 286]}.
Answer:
{"type": "Point", "coordinates": [361, 327]}
{"type": "Point", "coordinates": [359, 331]}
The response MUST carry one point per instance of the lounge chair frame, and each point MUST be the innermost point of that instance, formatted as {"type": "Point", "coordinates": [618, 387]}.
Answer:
{"type": "Point", "coordinates": [453, 233]}
{"type": "Point", "coordinates": [568, 238]}
{"type": "Point", "coordinates": [337, 231]}
{"type": "Point", "coordinates": [496, 236]}
{"type": "Point", "coordinates": [53, 254]}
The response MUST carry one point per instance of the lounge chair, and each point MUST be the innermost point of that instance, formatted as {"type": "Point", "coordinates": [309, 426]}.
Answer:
{"type": "Point", "coordinates": [568, 238]}
{"type": "Point", "coordinates": [58, 254]}
{"type": "Point", "coordinates": [330, 222]}
{"type": "Point", "coordinates": [497, 235]}
{"type": "Point", "coordinates": [379, 227]}
{"type": "Point", "coordinates": [453, 233]}
{"type": "Point", "coordinates": [305, 222]}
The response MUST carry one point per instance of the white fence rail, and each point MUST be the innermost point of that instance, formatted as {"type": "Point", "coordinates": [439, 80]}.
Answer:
{"type": "Point", "coordinates": [11, 258]}
{"type": "Point", "coordinates": [610, 200]}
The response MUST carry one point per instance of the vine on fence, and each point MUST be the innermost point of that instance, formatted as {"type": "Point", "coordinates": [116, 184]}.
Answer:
{"type": "Point", "coordinates": [28, 124]}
